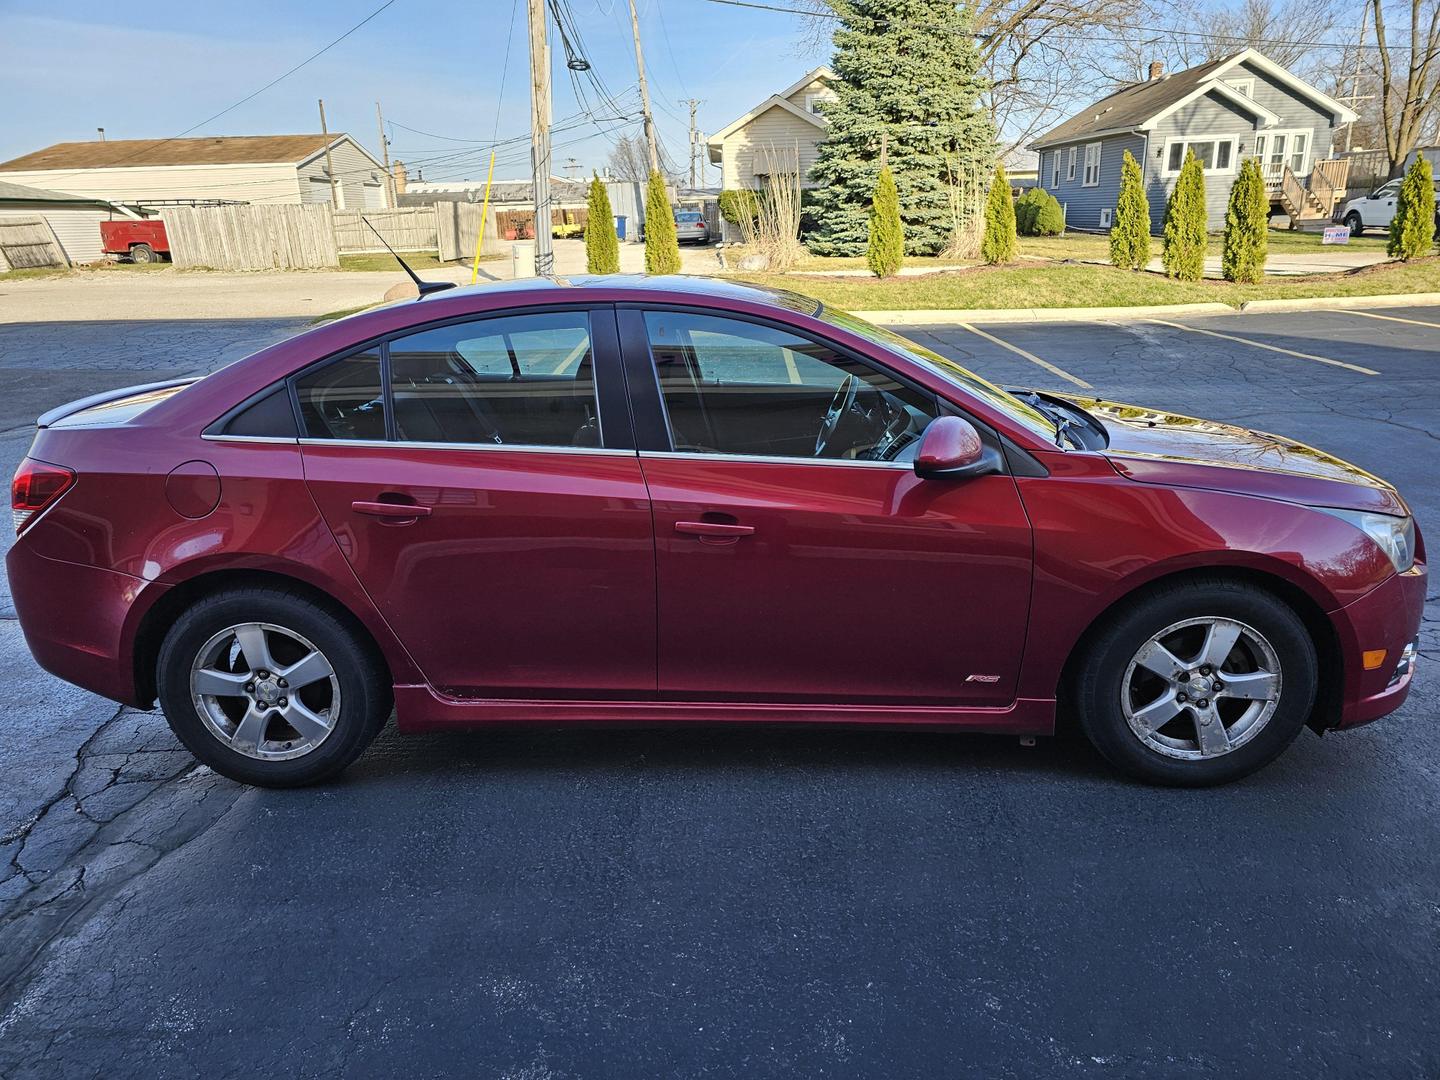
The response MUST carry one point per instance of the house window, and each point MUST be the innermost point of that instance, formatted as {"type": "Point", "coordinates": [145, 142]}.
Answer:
{"type": "Point", "coordinates": [1055, 169]}
{"type": "Point", "coordinates": [1092, 165]}
{"type": "Point", "coordinates": [1245, 86]}
{"type": "Point", "coordinates": [1070, 164]}
{"type": "Point", "coordinates": [1214, 155]}
{"type": "Point", "coordinates": [812, 101]}
{"type": "Point", "coordinates": [1277, 149]}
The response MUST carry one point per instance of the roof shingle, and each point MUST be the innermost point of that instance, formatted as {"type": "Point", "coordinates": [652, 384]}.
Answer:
{"type": "Point", "coordinates": [211, 150]}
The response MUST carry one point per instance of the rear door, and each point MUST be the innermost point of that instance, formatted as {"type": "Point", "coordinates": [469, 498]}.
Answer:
{"type": "Point", "coordinates": [799, 567]}
{"type": "Point", "coordinates": [481, 478]}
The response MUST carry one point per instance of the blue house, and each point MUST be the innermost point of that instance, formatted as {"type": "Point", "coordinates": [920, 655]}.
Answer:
{"type": "Point", "coordinates": [1239, 106]}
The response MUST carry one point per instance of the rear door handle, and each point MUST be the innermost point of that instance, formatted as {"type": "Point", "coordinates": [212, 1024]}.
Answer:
{"type": "Point", "coordinates": [390, 509]}
{"type": "Point", "coordinates": [714, 529]}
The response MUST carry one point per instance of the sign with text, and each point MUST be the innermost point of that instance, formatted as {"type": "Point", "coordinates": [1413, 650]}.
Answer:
{"type": "Point", "coordinates": [1336, 234]}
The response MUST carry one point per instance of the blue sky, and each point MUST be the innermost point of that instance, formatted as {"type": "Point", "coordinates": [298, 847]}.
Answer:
{"type": "Point", "coordinates": [153, 70]}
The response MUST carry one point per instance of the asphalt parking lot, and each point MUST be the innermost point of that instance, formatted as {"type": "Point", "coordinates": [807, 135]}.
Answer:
{"type": "Point", "coordinates": [548, 904]}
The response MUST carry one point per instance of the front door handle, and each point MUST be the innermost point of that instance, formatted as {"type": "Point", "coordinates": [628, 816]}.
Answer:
{"type": "Point", "coordinates": [396, 510]}
{"type": "Point", "coordinates": [714, 530]}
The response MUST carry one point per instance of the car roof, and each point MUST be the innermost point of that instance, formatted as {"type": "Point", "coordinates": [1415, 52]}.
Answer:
{"type": "Point", "coordinates": [609, 288]}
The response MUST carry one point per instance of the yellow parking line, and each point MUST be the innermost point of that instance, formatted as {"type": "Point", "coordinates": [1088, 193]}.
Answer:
{"type": "Point", "coordinates": [1029, 356]}
{"type": "Point", "coordinates": [1272, 348]}
{"type": "Point", "coordinates": [1388, 318]}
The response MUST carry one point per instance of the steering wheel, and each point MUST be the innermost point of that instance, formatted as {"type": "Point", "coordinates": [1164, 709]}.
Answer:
{"type": "Point", "coordinates": [840, 404]}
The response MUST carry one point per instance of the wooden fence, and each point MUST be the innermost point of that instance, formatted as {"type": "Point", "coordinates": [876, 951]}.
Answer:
{"type": "Point", "coordinates": [27, 242]}
{"type": "Point", "coordinates": [280, 237]}
{"type": "Point", "coordinates": [457, 225]}
{"type": "Point", "coordinates": [408, 228]}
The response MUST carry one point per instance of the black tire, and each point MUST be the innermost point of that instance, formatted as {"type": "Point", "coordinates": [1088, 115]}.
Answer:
{"type": "Point", "coordinates": [363, 682]}
{"type": "Point", "coordinates": [142, 253]}
{"type": "Point", "coordinates": [1354, 224]}
{"type": "Point", "coordinates": [1099, 680]}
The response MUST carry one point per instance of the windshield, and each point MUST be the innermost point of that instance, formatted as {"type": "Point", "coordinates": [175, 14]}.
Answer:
{"type": "Point", "coordinates": [967, 380]}
{"type": "Point", "coordinates": [688, 216]}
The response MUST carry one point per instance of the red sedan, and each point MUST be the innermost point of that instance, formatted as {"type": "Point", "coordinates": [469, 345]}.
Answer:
{"type": "Point", "coordinates": [678, 500]}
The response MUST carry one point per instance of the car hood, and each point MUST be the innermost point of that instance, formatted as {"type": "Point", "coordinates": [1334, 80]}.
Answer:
{"type": "Point", "coordinates": [1154, 447]}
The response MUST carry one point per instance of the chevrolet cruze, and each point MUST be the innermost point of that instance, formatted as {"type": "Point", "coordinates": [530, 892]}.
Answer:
{"type": "Point", "coordinates": [671, 500]}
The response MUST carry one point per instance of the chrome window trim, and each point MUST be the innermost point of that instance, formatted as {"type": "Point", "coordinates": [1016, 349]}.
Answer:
{"type": "Point", "coordinates": [291, 439]}
{"type": "Point", "coordinates": [513, 448]}
{"type": "Point", "coordinates": [774, 459]}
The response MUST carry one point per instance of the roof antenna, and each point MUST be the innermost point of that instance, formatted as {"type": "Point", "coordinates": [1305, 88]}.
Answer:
{"type": "Point", "coordinates": [425, 287]}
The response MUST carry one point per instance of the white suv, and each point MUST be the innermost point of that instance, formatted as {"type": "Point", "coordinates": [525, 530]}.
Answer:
{"type": "Point", "coordinates": [1375, 211]}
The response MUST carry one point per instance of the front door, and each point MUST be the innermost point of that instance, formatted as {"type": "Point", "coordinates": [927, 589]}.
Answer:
{"type": "Point", "coordinates": [492, 508]}
{"type": "Point", "coordinates": [799, 557]}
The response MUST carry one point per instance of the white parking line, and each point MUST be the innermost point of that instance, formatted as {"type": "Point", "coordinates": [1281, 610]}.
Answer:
{"type": "Point", "coordinates": [1271, 348]}
{"type": "Point", "coordinates": [1029, 356]}
{"type": "Point", "coordinates": [1388, 318]}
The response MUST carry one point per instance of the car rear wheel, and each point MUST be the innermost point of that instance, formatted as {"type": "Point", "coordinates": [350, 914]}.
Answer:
{"type": "Point", "coordinates": [142, 253]}
{"type": "Point", "coordinates": [1354, 224]}
{"type": "Point", "coordinates": [1198, 683]}
{"type": "Point", "coordinates": [267, 687]}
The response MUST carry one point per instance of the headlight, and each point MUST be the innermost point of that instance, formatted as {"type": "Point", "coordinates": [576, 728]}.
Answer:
{"type": "Point", "coordinates": [1395, 535]}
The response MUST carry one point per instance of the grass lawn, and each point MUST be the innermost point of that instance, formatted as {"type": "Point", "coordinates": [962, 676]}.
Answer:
{"type": "Point", "coordinates": [1070, 285]}
{"type": "Point", "coordinates": [32, 272]}
{"type": "Point", "coordinates": [1279, 242]}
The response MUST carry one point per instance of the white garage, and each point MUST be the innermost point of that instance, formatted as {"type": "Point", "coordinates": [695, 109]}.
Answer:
{"type": "Point", "coordinates": [73, 221]}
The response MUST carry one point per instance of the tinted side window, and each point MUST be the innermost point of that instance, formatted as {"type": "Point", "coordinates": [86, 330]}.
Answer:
{"type": "Point", "coordinates": [737, 387]}
{"type": "Point", "coordinates": [270, 417]}
{"type": "Point", "coordinates": [521, 380]}
{"type": "Point", "coordinates": [343, 400]}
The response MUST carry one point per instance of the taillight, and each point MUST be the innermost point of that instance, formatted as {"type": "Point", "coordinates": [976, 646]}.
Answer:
{"type": "Point", "coordinates": [37, 484]}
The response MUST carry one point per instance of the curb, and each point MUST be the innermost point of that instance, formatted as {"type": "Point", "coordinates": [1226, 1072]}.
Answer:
{"type": "Point", "coordinates": [957, 316]}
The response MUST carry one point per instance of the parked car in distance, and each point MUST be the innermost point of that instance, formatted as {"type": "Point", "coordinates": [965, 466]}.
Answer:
{"type": "Point", "coordinates": [638, 500]}
{"type": "Point", "coordinates": [1377, 210]}
{"type": "Point", "coordinates": [690, 226]}
{"type": "Point", "coordinates": [139, 241]}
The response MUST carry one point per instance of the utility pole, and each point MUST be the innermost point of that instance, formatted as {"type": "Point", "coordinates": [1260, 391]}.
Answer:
{"type": "Point", "coordinates": [572, 167]}
{"type": "Point", "coordinates": [385, 156]}
{"type": "Point", "coordinates": [329, 168]}
{"type": "Point", "coordinates": [650, 144]}
{"type": "Point", "coordinates": [696, 162]}
{"type": "Point", "coordinates": [540, 135]}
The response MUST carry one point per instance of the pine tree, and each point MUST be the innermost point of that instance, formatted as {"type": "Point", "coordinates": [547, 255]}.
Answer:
{"type": "Point", "coordinates": [1412, 229]}
{"type": "Point", "coordinates": [1049, 219]}
{"type": "Point", "coordinates": [1246, 227]}
{"type": "Point", "coordinates": [999, 244]}
{"type": "Point", "coordinates": [602, 246]}
{"type": "Point", "coordinates": [1130, 234]}
{"type": "Point", "coordinates": [887, 235]}
{"type": "Point", "coordinates": [1184, 251]}
{"type": "Point", "coordinates": [1027, 209]}
{"type": "Point", "coordinates": [662, 247]}
{"type": "Point", "coordinates": [907, 90]}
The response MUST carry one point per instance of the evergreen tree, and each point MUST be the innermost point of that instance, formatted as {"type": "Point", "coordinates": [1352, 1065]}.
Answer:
{"type": "Point", "coordinates": [1049, 219]}
{"type": "Point", "coordinates": [1027, 209]}
{"type": "Point", "coordinates": [602, 246]}
{"type": "Point", "coordinates": [999, 244]}
{"type": "Point", "coordinates": [1184, 251]}
{"type": "Point", "coordinates": [1246, 228]}
{"type": "Point", "coordinates": [1130, 234]}
{"type": "Point", "coordinates": [887, 236]}
{"type": "Point", "coordinates": [907, 91]}
{"type": "Point", "coordinates": [1412, 229]}
{"type": "Point", "coordinates": [662, 247]}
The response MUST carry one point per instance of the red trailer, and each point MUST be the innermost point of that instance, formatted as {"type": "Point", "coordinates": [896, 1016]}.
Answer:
{"type": "Point", "coordinates": [141, 241]}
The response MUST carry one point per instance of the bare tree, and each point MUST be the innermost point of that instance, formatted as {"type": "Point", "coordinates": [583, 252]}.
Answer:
{"type": "Point", "coordinates": [629, 159]}
{"type": "Point", "coordinates": [1408, 77]}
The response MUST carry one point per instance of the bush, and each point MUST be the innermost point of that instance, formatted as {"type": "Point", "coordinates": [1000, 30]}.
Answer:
{"type": "Point", "coordinates": [1130, 234]}
{"type": "Point", "coordinates": [662, 247]}
{"type": "Point", "coordinates": [602, 246]}
{"type": "Point", "coordinates": [739, 205]}
{"type": "Point", "coordinates": [1049, 215]}
{"type": "Point", "coordinates": [999, 245]}
{"type": "Point", "coordinates": [1026, 207]}
{"type": "Point", "coordinates": [886, 249]}
{"type": "Point", "coordinates": [1412, 230]}
{"type": "Point", "coordinates": [1184, 251]}
{"type": "Point", "coordinates": [1246, 226]}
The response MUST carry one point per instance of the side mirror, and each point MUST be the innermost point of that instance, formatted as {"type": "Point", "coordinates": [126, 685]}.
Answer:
{"type": "Point", "coordinates": [951, 447]}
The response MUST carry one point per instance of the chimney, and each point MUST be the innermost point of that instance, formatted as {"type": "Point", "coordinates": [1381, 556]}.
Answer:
{"type": "Point", "coordinates": [400, 177]}
{"type": "Point", "coordinates": [1157, 68]}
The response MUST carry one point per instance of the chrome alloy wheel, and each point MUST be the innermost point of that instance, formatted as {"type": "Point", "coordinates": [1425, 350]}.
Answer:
{"type": "Point", "coordinates": [1201, 688]}
{"type": "Point", "coordinates": [265, 691]}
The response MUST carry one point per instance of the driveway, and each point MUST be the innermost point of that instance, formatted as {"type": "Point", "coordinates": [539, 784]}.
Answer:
{"type": "Point", "coordinates": [548, 904]}
{"type": "Point", "coordinates": [1326, 260]}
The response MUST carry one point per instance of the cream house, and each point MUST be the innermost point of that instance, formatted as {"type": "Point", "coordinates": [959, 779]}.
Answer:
{"type": "Point", "coordinates": [246, 168]}
{"type": "Point", "coordinates": [783, 131]}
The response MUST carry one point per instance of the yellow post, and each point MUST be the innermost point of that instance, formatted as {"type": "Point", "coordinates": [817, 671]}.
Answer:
{"type": "Point", "coordinates": [484, 214]}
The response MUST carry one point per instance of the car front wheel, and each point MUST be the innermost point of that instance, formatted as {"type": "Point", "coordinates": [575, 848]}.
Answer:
{"type": "Point", "coordinates": [1354, 224]}
{"type": "Point", "coordinates": [267, 687]}
{"type": "Point", "coordinates": [1197, 683]}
